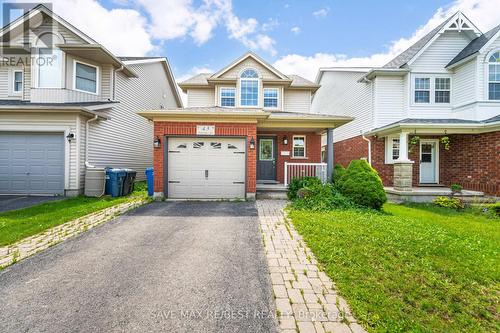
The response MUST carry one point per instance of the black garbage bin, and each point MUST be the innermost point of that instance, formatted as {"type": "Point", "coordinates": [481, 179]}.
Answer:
{"type": "Point", "coordinates": [128, 183]}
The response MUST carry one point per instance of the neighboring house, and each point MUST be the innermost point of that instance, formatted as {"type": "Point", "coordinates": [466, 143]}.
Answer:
{"type": "Point", "coordinates": [242, 127]}
{"type": "Point", "coordinates": [66, 103]}
{"type": "Point", "coordinates": [444, 87]}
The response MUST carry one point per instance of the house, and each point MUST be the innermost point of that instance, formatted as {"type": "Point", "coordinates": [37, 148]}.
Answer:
{"type": "Point", "coordinates": [429, 117]}
{"type": "Point", "coordinates": [245, 126]}
{"type": "Point", "coordinates": [67, 103]}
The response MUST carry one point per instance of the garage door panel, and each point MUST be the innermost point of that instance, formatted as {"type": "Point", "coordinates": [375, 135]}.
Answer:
{"type": "Point", "coordinates": [31, 163]}
{"type": "Point", "coordinates": [190, 158]}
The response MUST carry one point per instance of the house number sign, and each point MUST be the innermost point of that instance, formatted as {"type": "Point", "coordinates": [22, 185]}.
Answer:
{"type": "Point", "coordinates": [205, 129]}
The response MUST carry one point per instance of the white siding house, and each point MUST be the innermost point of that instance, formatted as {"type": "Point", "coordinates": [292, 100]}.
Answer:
{"type": "Point", "coordinates": [55, 121]}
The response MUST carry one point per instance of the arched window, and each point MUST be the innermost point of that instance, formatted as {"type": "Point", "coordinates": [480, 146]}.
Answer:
{"type": "Point", "coordinates": [249, 88]}
{"type": "Point", "coordinates": [494, 76]}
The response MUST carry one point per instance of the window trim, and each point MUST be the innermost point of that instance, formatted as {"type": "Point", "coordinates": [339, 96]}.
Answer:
{"type": "Point", "coordinates": [436, 90]}
{"type": "Point", "coordinates": [13, 91]}
{"type": "Point", "coordinates": [220, 96]}
{"type": "Point", "coordinates": [61, 68]}
{"type": "Point", "coordinates": [98, 77]}
{"type": "Point", "coordinates": [389, 147]}
{"type": "Point", "coordinates": [277, 98]}
{"type": "Point", "coordinates": [259, 89]}
{"type": "Point", "coordinates": [488, 63]}
{"type": "Point", "coordinates": [305, 146]}
{"type": "Point", "coordinates": [432, 89]}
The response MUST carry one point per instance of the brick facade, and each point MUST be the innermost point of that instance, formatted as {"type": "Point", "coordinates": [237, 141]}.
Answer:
{"type": "Point", "coordinates": [165, 128]}
{"type": "Point", "coordinates": [472, 160]}
{"type": "Point", "coordinates": [313, 150]}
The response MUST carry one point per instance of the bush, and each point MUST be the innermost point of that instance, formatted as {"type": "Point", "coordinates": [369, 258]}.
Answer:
{"type": "Point", "coordinates": [456, 188]}
{"type": "Point", "coordinates": [454, 203]}
{"type": "Point", "coordinates": [338, 172]}
{"type": "Point", "coordinates": [298, 183]}
{"type": "Point", "coordinates": [494, 209]}
{"type": "Point", "coordinates": [321, 197]}
{"type": "Point", "coordinates": [362, 185]}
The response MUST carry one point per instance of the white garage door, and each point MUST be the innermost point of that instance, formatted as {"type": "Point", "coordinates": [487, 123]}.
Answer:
{"type": "Point", "coordinates": [31, 163]}
{"type": "Point", "coordinates": [206, 168]}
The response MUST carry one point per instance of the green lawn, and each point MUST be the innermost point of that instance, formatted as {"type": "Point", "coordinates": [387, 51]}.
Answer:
{"type": "Point", "coordinates": [413, 268]}
{"type": "Point", "coordinates": [22, 223]}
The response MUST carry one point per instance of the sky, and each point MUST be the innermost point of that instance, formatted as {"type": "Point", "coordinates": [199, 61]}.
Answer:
{"type": "Point", "coordinates": [297, 37]}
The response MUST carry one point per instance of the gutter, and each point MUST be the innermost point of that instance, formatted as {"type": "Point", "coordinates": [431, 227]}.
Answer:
{"type": "Point", "coordinates": [87, 129]}
{"type": "Point", "coordinates": [369, 148]}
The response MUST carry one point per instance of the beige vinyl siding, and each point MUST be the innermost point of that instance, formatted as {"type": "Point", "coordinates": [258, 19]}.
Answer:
{"type": "Point", "coordinates": [297, 101]}
{"type": "Point", "coordinates": [56, 122]}
{"type": "Point", "coordinates": [464, 83]}
{"type": "Point", "coordinates": [126, 139]}
{"type": "Point", "coordinates": [389, 100]}
{"type": "Point", "coordinates": [49, 25]}
{"type": "Point", "coordinates": [341, 94]}
{"type": "Point", "coordinates": [234, 72]}
{"type": "Point", "coordinates": [441, 52]}
{"type": "Point", "coordinates": [27, 83]}
{"type": "Point", "coordinates": [4, 82]}
{"type": "Point", "coordinates": [200, 97]}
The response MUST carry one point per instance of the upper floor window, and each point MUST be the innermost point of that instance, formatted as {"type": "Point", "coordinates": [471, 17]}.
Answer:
{"type": "Point", "coordinates": [17, 81]}
{"type": "Point", "coordinates": [227, 96]}
{"type": "Point", "coordinates": [85, 77]}
{"type": "Point", "coordinates": [494, 76]}
{"type": "Point", "coordinates": [49, 63]}
{"type": "Point", "coordinates": [442, 90]}
{"type": "Point", "coordinates": [422, 90]}
{"type": "Point", "coordinates": [270, 97]}
{"type": "Point", "coordinates": [249, 88]}
{"type": "Point", "coordinates": [434, 89]}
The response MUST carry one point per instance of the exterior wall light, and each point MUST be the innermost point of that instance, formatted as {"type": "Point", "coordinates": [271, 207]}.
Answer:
{"type": "Point", "coordinates": [71, 136]}
{"type": "Point", "coordinates": [157, 142]}
{"type": "Point", "coordinates": [285, 140]}
{"type": "Point", "coordinates": [252, 143]}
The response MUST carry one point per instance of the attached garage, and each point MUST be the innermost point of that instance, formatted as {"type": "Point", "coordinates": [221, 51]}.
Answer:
{"type": "Point", "coordinates": [32, 163]}
{"type": "Point", "coordinates": [206, 168]}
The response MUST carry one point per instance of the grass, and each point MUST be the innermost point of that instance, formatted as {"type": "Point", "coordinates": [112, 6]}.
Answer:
{"type": "Point", "coordinates": [411, 268]}
{"type": "Point", "coordinates": [18, 224]}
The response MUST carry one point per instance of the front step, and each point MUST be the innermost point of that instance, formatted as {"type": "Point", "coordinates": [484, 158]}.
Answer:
{"type": "Point", "coordinates": [276, 195]}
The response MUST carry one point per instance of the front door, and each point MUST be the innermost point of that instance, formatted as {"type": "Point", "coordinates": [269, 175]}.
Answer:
{"type": "Point", "coordinates": [428, 162]}
{"type": "Point", "coordinates": [266, 159]}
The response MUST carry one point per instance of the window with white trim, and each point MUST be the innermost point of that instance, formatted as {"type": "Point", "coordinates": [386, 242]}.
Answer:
{"type": "Point", "coordinates": [228, 97]}
{"type": "Point", "coordinates": [494, 77]}
{"type": "Point", "coordinates": [49, 68]}
{"type": "Point", "coordinates": [86, 77]}
{"type": "Point", "coordinates": [17, 82]}
{"type": "Point", "coordinates": [299, 146]}
{"type": "Point", "coordinates": [271, 98]}
{"type": "Point", "coordinates": [249, 88]}
{"type": "Point", "coordinates": [392, 149]}
{"type": "Point", "coordinates": [442, 90]}
{"type": "Point", "coordinates": [422, 90]}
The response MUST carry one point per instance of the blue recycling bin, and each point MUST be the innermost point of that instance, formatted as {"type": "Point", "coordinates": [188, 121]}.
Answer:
{"type": "Point", "coordinates": [150, 179]}
{"type": "Point", "coordinates": [114, 181]}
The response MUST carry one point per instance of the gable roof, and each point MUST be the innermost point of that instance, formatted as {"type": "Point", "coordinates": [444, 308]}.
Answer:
{"type": "Point", "coordinates": [405, 57]}
{"type": "Point", "coordinates": [475, 46]}
{"type": "Point", "coordinates": [43, 9]}
{"type": "Point", "coordinates": [254, 57]}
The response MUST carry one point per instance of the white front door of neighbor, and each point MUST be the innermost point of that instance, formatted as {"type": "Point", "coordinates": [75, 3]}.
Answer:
{"type": "Point", "coordinates": [429, 162]}
{"type": "Point", "coordinates": [206, 168]}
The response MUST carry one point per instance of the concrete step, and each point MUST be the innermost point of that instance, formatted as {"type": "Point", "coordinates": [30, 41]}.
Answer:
{"type": "Point", "coordinates": [276, 195]}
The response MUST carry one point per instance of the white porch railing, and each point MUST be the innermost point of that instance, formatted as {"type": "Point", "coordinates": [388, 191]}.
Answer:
{"type": "Point", "coordinates": [301, 170]}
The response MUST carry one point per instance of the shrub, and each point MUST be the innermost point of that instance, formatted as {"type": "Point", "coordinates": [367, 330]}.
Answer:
{"type": "Point", "coordinates": [321, 197]}
{"type": "Point", "coordinates": [338, 172]}
{"type": "Point", "coordinates": [495, 209]}
{"type": "Point", "coordinates": [298, 183]}
{"type": "Point", "coordinates": [362, 185]}
{"type": "Point", "coordinates": [454, 203]}
{"type": "Point", "coordinates": [456, 188]}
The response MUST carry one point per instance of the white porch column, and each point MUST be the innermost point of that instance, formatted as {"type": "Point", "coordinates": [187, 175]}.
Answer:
{"type": "Point", "coordinates": [329, 154]}
{"type": "Point", "coordinates": [403, 167]}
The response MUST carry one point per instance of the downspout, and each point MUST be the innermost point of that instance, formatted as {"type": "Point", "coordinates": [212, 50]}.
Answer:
{"type": "Point", "coordinates": [87, 129]}
{"type": "Point", "coordinates": [369, 148]}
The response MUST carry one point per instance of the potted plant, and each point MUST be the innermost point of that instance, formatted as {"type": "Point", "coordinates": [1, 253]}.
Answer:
{"type": "Point", "coordinates": [446, 142]}
{"type": "Point", "coordinates": [413, 142]}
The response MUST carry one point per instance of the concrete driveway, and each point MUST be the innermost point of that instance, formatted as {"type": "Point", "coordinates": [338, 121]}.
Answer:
{"type": "Point", "coordinates": [12, 202]}
{"type": "Point", "coordinates": [174, 267]}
